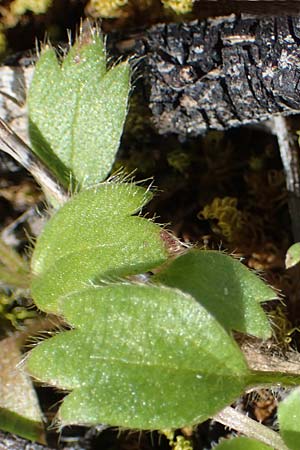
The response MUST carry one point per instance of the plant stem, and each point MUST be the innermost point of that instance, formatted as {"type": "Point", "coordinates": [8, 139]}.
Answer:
{"type": "Point", "coordinates": [250, 428]}
{"type": "Point", "coordinates": [271, 378]}
{"type": "Point", "coordinates": [289, 152]}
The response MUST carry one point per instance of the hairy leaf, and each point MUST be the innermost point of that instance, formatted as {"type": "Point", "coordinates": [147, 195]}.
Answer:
{"type": "Point", "coordinates": [225, 287]}
{"type": "Point", "coordinates": [289, 419]}
{"type": "Point", "coordinates": [94, 237]}
{"type": "Point", "coordinates": [140, 356]}
{"type": "Point", "coordinates": [77, 111]}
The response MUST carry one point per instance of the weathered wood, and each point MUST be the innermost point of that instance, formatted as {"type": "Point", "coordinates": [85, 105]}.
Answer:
{"type": "Point", "coordinates": [220, 73]}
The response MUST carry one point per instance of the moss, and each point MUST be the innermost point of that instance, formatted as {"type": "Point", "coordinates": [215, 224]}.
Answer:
{"type": "Point", "coordinates": [109, 9]}
{"type": "Point", "coordinates": [229, 219]}
{"type": "Point", "coordinates": [3, 42]}
{"type": "Point", "coordinates": [12, 13]}
{"type": "Point", "coordinates": [106, 8]}
{"type": "Point", "coordinates": [179, 6]}
{"type": "Point", "coordinates": [13, 312]}
{"type": "Point", "coordinates": [179, 160]}
{"type": "Point", "coordinates": [19, 7]}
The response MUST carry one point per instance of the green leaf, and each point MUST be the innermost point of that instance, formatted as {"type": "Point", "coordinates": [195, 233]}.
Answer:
{"type": "Point", "coordinates": [140, 356]}
{"type": "Point", "coordinates": [292, 255]}
{"type": "Point", "coordinates": [77, 111]}
{"type": "Point", "coordinates": [19, 409]}
{"type": "Point", "coordinates": [94, 237]}
{"type": "Point", "coordinates": [242, 443]}
{"type": "Point", "coordinates": [289, 419]}
{"type": "Point", "coordinates": [225, 287]}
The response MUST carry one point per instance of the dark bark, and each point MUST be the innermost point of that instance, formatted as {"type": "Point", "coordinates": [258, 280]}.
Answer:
{"type": "Point", "coordinates": [220, 73]}
{"type": "Point", "coordinates": [209, 8]}
{"type": "Point", "coordinates": [209, 74]}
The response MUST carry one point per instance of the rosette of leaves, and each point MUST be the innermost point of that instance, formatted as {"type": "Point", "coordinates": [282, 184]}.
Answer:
{"type": "Point", "coordinates": [138, 353]}
{"type": "Point", "coordinates": [134, 348]}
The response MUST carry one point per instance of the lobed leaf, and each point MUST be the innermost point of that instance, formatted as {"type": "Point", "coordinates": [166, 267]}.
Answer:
{"type": "Point", "coordinates": [77, 111]}
{"type": "Point", "coordinates": [225, 287]}
{"type": "Point", "coordinates": [140, 356]}
{"type": "Point", "coordinates": [100, 239]}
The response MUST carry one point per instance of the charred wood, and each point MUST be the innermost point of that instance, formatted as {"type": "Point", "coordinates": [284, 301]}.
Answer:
{"type": "Point", "coordinates": [221, 73]}
{"type": "Point", "coordinates": [209, 8]}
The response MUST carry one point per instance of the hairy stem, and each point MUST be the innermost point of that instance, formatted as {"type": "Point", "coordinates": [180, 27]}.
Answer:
{"type": "Point", "coordinates": [272, 378]}
{"type": "Point", "coordinates": [250, 428]}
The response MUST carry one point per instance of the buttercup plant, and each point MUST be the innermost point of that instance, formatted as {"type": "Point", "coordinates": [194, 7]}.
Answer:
{"type": "Point", "coordinates": [139, 353]}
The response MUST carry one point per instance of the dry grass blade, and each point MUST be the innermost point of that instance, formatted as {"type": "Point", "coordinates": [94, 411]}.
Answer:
{"type": "Point", "coordinates": [14, 146]}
